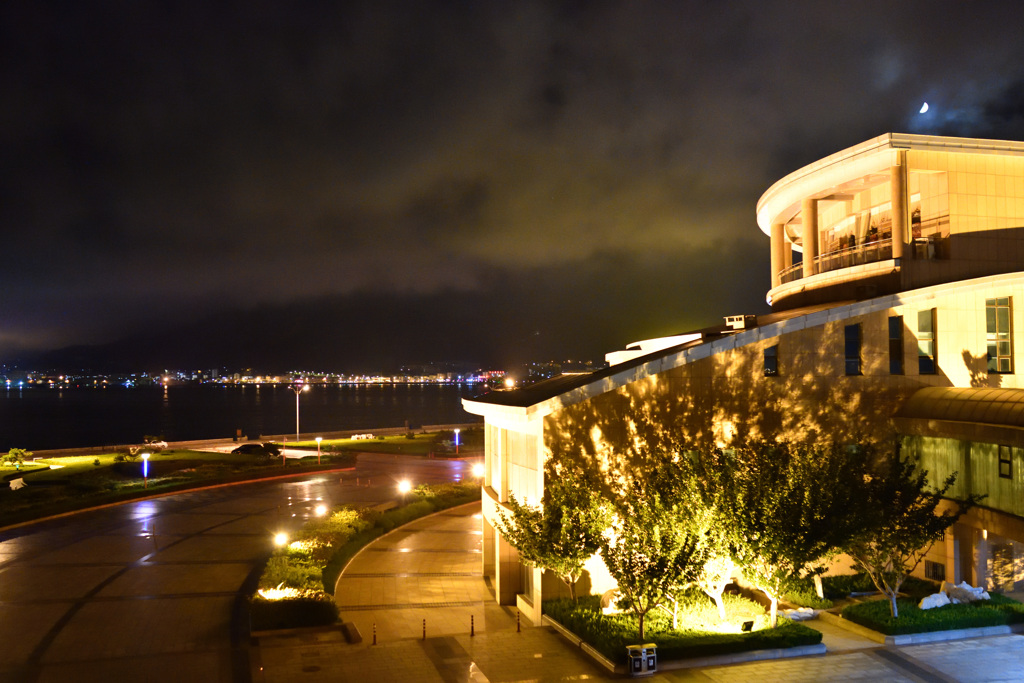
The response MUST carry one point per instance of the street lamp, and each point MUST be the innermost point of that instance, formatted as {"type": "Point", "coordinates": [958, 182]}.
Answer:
{"type": "Point", "coordinates": [457, 441]}
{"type": "Point", "coordinates": [298, 389]}
{"type": "Point", "coordinates": [145, 470]}
{"type": "Point", "coordinates": [318, 440]}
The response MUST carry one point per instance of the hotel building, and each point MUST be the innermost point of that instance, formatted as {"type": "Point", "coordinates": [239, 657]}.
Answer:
{"type": "Point", "coordinates": [897, 274]}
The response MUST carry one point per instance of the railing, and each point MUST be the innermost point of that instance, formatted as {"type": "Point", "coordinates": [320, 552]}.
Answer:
{"type": "Point", "coordinates": [854, 256]}
{"type": "Point", "coordinates": [871, 252]}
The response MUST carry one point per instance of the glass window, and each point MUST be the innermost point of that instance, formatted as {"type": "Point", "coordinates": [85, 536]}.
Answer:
{"type": "Point", "coordinates": [998, 335]}
{"type": "Point", "coordinates": [896, 345]}
{"type": "Point", "coordinates": [926, 342]}
{"type": "Point", "coordinates": [853, 350]}
{"type": "Point", "coordinates": [1005, 462]}
{"type": "Point", "coordinates": [771, 361]}
{"type": "Point", "coordinates": [934, 571]}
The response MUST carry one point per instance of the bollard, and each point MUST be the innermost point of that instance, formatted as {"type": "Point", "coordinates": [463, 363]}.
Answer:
{"type": "Point", "coordinates": [518, 629]}
{"type": "Point", "coordinates": [424, 629]}
{"type": "Point", "coordinates": [375, 633]}
{"type": "Point", "coordinates": [472, 628]}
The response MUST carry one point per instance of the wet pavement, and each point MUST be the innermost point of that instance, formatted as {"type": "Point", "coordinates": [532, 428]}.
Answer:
{"type": "Point", "coordinates": [150, 590]}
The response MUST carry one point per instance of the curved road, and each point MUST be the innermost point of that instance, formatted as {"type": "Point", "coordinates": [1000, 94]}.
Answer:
{"type": "Point", "coordinates": [151, 590]}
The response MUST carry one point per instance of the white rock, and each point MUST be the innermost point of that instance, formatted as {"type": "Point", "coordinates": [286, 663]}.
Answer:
{"type": "Point", "coordinates": [800, 614]}
{"type": "Point", "coordinates": [964, 592]}
{"type": "Point", "coordinates": [933, 600]}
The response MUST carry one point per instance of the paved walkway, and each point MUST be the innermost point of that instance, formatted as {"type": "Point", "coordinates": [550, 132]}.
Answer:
{"type": "Point", "coordinates": [431, 569]}
{"type": "Point", "coordinates": [149, 590]}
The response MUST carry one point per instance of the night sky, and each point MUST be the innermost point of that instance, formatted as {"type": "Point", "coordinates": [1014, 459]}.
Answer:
{"type": "Point", "coordinates": [348, 185]}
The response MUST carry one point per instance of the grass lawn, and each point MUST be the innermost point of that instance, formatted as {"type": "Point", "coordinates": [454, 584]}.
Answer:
{"type": "Point", "coordinates": [700, 633]}
{"type": "Point", "coordinates": [79, 482]}
{"type": "Point", "coordinates": [998, 611]}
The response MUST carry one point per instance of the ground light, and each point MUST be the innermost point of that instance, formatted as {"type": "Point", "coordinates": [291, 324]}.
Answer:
{"type": "Point", "coordinates": [320, 510]}
{"type": "Point", "coordinates": [478, 469]}
{"type": "Point", "coordinates": [145, 470]}
{"type": "Point", "coordinates": [318, 440]}
{"type": "Point", "coordinates": [280, 539]}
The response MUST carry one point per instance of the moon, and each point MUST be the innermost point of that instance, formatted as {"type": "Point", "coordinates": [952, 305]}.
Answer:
{"type": "Point", "coordinates": [924, 108]}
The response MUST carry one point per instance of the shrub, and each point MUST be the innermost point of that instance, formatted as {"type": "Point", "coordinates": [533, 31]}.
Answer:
{"type": "Point", "coordinates": [807, 598]}
{"type": "Point", "coordinates": [875, 615]}
{"type": "Point", "coordinates": [610, 634]}
{"type": "Point", "coordinates": [281, 570]}
{"type": "Point", "coordinates": [410, 435]}
{"type": "Point", "coordinates": [311, 609]}
{"type": "Point", "coordinates": [96, 462]}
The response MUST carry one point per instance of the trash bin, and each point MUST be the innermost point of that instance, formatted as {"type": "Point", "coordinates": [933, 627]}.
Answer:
{"type": "Point", "coordinates": [642, 660]}
{"type": "Point", "coordinates": [650, 657]}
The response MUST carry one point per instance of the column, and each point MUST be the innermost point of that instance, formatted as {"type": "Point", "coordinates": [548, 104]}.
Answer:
{"type": "Point", "coordinates": [489, 547]}
{"type": "Point", "coordinates": [778, 248]}
{"type": "Point", "coordinates": [898, 188]}
{"type": "Point", "coordinates": [809, 234]}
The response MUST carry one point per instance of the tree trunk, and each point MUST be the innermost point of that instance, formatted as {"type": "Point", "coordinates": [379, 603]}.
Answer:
{"type": "Point", "coordinates": [818, 588]}
{"type": "Point", "coordinates": [643, 633]}
{"type": "Point", "coordinates": [774, 620]}
{"type": "Point", "coordinates": [721, 606]}
{"type": "Point", "coordinates": [892, 605]}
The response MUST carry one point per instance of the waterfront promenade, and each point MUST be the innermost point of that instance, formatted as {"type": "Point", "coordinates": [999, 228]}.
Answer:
{"type": "Point", "coordinates": [151, 590]}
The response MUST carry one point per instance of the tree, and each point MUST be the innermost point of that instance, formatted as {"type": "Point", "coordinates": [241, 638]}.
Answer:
{"type": "Point", "coordinates": [785, 507]}
{"type": "Point", "coordinates": [905, 524]}
{"type": "Point", "coordinates": [16, 456]}
{"type": "Point", "coordinates": [653, 549]}
{"type": "Point", "coordinates": [563, 533]}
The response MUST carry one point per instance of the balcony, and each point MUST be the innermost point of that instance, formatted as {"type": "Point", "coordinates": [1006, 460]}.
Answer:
{"type": "Point", "coordinates": [871, 252]}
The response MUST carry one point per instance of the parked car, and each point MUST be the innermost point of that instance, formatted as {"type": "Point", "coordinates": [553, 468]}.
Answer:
{"type": "Point", "coordinates": [267, 449]}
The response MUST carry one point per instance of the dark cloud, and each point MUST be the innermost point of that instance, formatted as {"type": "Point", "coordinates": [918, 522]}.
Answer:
{"type": "Point", "coordinates": [524, 162]}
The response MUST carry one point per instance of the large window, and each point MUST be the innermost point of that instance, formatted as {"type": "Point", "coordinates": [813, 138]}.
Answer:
{"type": "Point", "coordinates": [853, 350]}
{"type": "Point", "coordinates": [896, 345]}
{"type": "Point", "coordinates": [771, 361]}
{"type": "Point", "coordinates": [1005, 462]}
{"type": "Point", "coordinates": [997, 329]}
{"type": "Point", "coordinates": [926, 342]}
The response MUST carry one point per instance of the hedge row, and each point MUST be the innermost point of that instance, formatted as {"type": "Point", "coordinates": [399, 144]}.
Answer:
{"type": "Point", "coordinates": [998, 611]}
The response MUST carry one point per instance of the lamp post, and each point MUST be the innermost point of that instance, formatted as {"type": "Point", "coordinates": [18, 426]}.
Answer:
{"type": "Point", "coordinates": [145, 470]}
{"type": "Point", "coordinates": [318, 440]}
{"type": "Point", "coordinates": [298, 389]}
{"type": "Point", "coordinates": [457, 442]}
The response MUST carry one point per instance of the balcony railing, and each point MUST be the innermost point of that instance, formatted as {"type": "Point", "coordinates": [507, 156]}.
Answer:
{"type": "Point", "coordinates": [871, 252]}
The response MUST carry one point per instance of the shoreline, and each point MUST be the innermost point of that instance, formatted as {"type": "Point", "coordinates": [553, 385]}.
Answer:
{"type": "Point", "coordinates": [204, 444]}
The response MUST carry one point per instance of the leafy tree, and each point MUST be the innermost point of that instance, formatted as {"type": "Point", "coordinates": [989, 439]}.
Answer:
{"type": "Point", "coordinates": [563, 533]}
{"type": "Point", "coordinates": [654, 549]}
{"type": "Point", "coordinates": [905, 524]}
{"type": "Point", "coordinates": [785, 508]}
{"type": "Point", "coordinates": [16, 456]}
